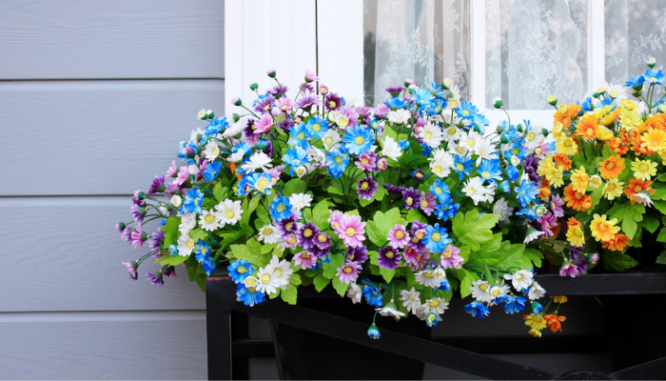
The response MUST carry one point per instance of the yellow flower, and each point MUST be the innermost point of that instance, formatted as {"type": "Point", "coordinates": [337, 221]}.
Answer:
{"type": "Point", "coordinates": [557, 130]}
{"type": "Point", "coordinates": [604, 134]}
{"type": "Point", "coordinates": [613, 188]}
{"type": "Point", "coordinates": [535, 321]}
{"type": "Point", "coordinates": [654, 140]}
{"type": "Point", "coordinates": [595, 181]}
{"type": "Point", "coordinates": [535, 332]}
{"type": "Point", "coordinates": [554, 174]}
{"type": "Point", "coordinates": [580, 179]}
{"type": "Point", "coordinates": [575, 236]}
{"type": "Point", "coordinates": [567, 146]}
{"type": "Point", "coordinates": [602, 229]}
{"type": "Point", "coordinates": [559, 299]}
{"type": "Point", "coordinates": [644, 169]}
{"type": "Point", "coordinates": [627, 104]}
{"type": "Point", "coordinates": [630, 119]}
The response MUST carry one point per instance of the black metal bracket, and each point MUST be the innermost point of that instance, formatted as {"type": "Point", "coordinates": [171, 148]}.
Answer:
{"type": "Point", "coordinates": [222, 308]}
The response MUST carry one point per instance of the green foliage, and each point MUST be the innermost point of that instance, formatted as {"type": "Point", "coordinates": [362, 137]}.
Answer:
{"type": "Point", "coordinates": [294, 186]}
{"type": "Point", "coordinates": [629, 215]}
{"type": "Point", "coordinates": [320, 282]}
{"type": "Point", "coordinates": [617, 260]}
{"type": "Point", "coordinates": [331, 268]}
{"type": "Point", "coordinates": [340, 287]}
{"type": "Point", "coordinates": [289, 294]}
{"type": "Point", "coordinates": [474, 230]}
{"type": "Point", "coordinates": [378, 228]}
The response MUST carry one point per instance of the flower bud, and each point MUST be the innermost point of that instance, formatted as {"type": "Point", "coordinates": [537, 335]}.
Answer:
{"type": "Point", "coordinates": [562, 109]}
{"type": "Point", "coordinates": [651, 62]}
{"type": "Point", "coordinates": [235, 117]}
{"type": "Point", "coordinates": [164, 221]}
{"type": "Point", "coordinates": [373, 332]}
{"type": "Point", "coordinates": [141, 196]}
{"type": "Point", "coordinates": [236, 102]}
{"type": "Point", "coordinates": [323, 89]}
{"type": "Point", "coordinates": [504, 139]}
{"type": "Point", "coordinates": [202, 114]}
{"type": "Point", "coordinates": [497, 103]}
{"type": "Point", "coordinates": [121, 226]}
{"type": "Point", "coordinates": [447, 83]}
{"type": "Point", "coordinates": [173, 249]}
{"type": "Point", "coordinates": [536, 308]}
{"type": "Point", "coordinates": [596, 95]}
{"type": "Point", "coordinates": [261, 145]}
{"type": "Point", "coordinates": [520, 127]}
{"type": "Point", "coordinates": [408, 82]}
{"type": "Point", "coordinates": [477, 128]}
{"type": "Point", "coordinates": [500, 128]}
{"type": "Point", "coordinates": [545, 132]}
{"type": "Point", "coordinates": [254, 86]}
{"type": "Point", "coordinates": [271, 73]}
{"type": "Point", "coordinates": [552, 100]}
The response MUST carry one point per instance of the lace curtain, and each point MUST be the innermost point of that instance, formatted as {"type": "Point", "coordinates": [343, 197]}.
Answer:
{"type": "Point", "coordinates": [534, 49]}
{"type": "Point", "coordinates": [635, 31]}
{"type": "Point", "coordinates": [424, 40]}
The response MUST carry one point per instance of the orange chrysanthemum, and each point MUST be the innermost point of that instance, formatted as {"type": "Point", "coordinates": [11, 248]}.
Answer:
{"type": "Point", "coordinates": [544, 193]}
{"type": "Point", "coordinates": [577, 200]}
{"type": "Point", "coordinates": [637, 186]}
{"type": "Point", "coordinates": [587, 127]}
{"type": "Point", "coordinates": [618, 243]}
{"type": "Point", "coordinates": [554, 322]}
{"type": "Point", "coordinates": [611, 167]}
{"type": "Point", "coordinates": [566, 116]}
{"type": "Point", "coordinates": [572, 221]}
{"type": "Point", "coordinates": [562, 161]}
{"type": "Point", "coordinates": [616, 146]}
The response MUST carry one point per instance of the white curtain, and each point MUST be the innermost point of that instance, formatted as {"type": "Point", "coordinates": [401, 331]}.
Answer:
{"type": "Point", "coordinates": [423, 40]}
{"type": "Point", "coordinates": [635, 31]}
{"type": "Point", "coordinates": [534, 49]}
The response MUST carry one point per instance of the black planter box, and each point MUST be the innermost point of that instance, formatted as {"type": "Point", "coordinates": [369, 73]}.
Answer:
{"type": "Point", "coordinates": [636, 334]}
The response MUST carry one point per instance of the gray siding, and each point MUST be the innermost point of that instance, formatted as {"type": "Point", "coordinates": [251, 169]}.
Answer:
{"type": "Point", "coordinates": [94, 98]}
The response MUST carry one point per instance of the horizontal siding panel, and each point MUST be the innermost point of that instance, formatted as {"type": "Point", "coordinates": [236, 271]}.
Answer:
{"type": "Point", "coordinates": [100, 39]}
{"type": "Point", "coordinates": [64, 254]}
{"type": "Point", "coordinates": [96, 137]}
{"type": "Point", "coordinates": [147, 345]}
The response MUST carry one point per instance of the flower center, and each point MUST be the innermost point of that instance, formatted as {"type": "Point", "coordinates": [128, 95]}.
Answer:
{"type": "Point", "coordinates": [316, 127]}
{"type": "Point", "coordinates": [610, 165]}
{"type": "Point", "coordinates": [265, 279]}
{"type": "Point", "coordinates": [409, 201]}
{"type": "Point", "coordinates": [578, 196]}
{"type": "Point", "coordinates": [249, 282]}
{"type": "Point", "coordinates": [348, 270]}
{"type": "Point", "coordinates": [483, 287]}
{"type": "Point", "coordinates": [436, 237]}
{"type": "Point", "coordinates": [389, 254]}
{"type": "Point", "coordinates": [428, 275]}
{"type": "Point", "coordinates": [496, 291]}
{"type": "Point", "coordinates": [229, 214]}
{"type": "Point", "coordinates": [567, 143]}
{"type": "Point", "coordinates": [437, 169]}
{"type": "Point", "coordinates": [190, 244]}
{"type": "Point", "coordinates": [460, 167]}
{"type": "Point", "coordinates": [447, 253]}
{"type": "Point", "coordinates": [241, 270]}
{"type": "Point", "coordinates": [307, 233]}
{"type": "Point", "coordinates": [281, 208]}
{"type": "Point", "coordinates": [399, 234]}
{"type": "Point", "coordinates": [486, 174]}
{"type": "Point", "coordinates": [305, 255]}
{"type": "Point", "coordinates": [301, 136]}
{"type": "Point", "coordinates": [350, 232]}
{"type": "Point", "coordinates": [433, 303]}
{"type": "Point", "coordinates": [278, 272]}
{"type": "Point", "coordinates": [424, 203]}
{"type": "Point", "coordinates": [451, 130]}
{"type": "Point", "coordinates": [210, 218]}
{"type": "Point", "coordinates": [365, 161]}
{"type": "Point", "coordinates": [359, 140]}
{"type": "Point", "coordinates": [427, 135]}
{"type": "Point", "coordinates": [322, 238]}
{"type": "Point", "coordinates": [531, 136]}
{"type": "Point", "coordinates": [638, 188]}
{"type": "Point", "coordinates": [470, 143]}
{"type": "Point", "coordinates": [262, 183]}
{"type": "Point", "coordinates": [267, 231]}
{"type": "Point", "coordinates": [292, 240]}
{"type": "Point", "coordinates": [338, 159]}
{"type": "Point", "coordinates": [328, 141]}
{"type": "Point", "coordinates": [364, 185]}
{"type": "Point", "coordinates": [331, 104]}
{"type": "Point", "coordinates": [644, 167]}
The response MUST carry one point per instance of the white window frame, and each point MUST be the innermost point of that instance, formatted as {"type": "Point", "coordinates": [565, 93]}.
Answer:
{"type": "Point", "coordinates": [337, 52]}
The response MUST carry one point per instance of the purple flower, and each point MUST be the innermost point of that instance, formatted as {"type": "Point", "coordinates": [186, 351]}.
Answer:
{"type": "Point", "coordinates": [310, 76]}
{"type": "Point", "coordinates": [415, 257]}
{"type": "Point", "coordinates": [138, 212]}
{"type": "Point", "coordinates": [349, 272]}
{"type": "Point", "coordinates": [398, 237]}
{"type": "Point", "coordinates": [320, 253]}
{"type": "Point", "coordinates": [582, 264]}
{"type": "Point", "coordinates": [307, 100]}
{"type": "Point", "coordinates": [332, 102]}
{"type": "Point", "coordinates": [173, 169]}
{"type": "Point", "coordinates": [155, 280]}
{"type": "Point", "coordinates": [286, 124]}
{"type": "Point", "coordinates": [169, 271]}
{"type": "Point", "coordinates": [411, 198]}
{"type": "Point", "coordinates": [556, 206]}
{"type": "Point", "coordinates": [323, 241]}
{"type": "Point", "coordinates": [395, 90]}
{"type": "Point", "coordinates": [381, 111]}
{"type": "Point", "coordinates": [428, 203]}
{"type": "Point", "coordinates": [570, 270]}
{"type": "Point", "coordinates": [156, 240]}
{"type": "Point", "coordinates": [126, 235]}
{"type": "Point", "coordinates": [131, 267]}
{"type": "Point", "coordinates": [158, 181]}
{"type": "Point", "coordinates": [367, 162]}
{"type": "Point", "coordinates": [137, 199]}
{"type": "Point", "coordinates": [171, 188]}
{"type": "Point", "coordinates": [548, 222]}
{"type": "Point", "coordinates": [307, 235]}
{"type": "Point", "coordinates": [183, 176]}
{"type": "Point", "coordinates": [306, 87]}
{"type": "Point", "coordinates": [278, 91]}
{"type": "Point", "coordinates": [138, 237]}
{"type": "Point", "coordinates": [575, 252]}
{"type": "Point", "coordinates": [357, 254]}
{"type": "Point", "coordinates": [362, 111]}
{"type": "Point", "coordinates": [264, 105]}
{"type": "Point", "coordinates": [389, 257]}
{"type": "Point", "coordinates": [367, 187]}
{"type": "Point", "coordinates": [394, 189]}
{"type": "Point", "coordinates": [287, 226]}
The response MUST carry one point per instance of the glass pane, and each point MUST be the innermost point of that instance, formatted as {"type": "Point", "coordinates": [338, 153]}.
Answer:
{"type": "Point", "coordinates": [534, 49]}
{"type": "Point", "coordinates": [423, 40]}
{"type": "Point", "coordinates": [635, 31]}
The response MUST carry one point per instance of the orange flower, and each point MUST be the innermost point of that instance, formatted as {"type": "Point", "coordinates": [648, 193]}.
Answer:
{"type": "Point", "coordinates": [574, 222]}
{"type": "Point", "coordinates": [564, 115]}
{"type": "Point", "coordinates": [554, 322]}
{"type": "Point", "coordinates": [559, 299]}
{"type": "Point", "coordinates": [616, 146]}
{"type": "Point", "coordinates": [637, 186]}
{"type": "Point", "coordinates": [587, 127]}
{"type": "Point", "coordinates": [576, 200]}
{"type": "Point", "coordinates": [611, 167]}
{"type": "Point", "coordinates": [618, 243]}
{"type": "Point", "coordinates": [557, 229]}
{"type": "Point", "coordinates": [563, 161]}
{"type": "Point", "coordinates": [544, 193]}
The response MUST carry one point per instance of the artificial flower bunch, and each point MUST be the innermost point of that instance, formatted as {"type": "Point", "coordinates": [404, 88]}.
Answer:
{"type": "Point", "coordinates": [398, 205]}
{"type": "Point", "coordinates": [606, 177]}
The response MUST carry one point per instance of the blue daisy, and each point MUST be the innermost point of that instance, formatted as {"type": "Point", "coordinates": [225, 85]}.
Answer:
{"type": "Point", "coordinates": [462, 166]}
{"type": "Point", "coordinates": [467, 111]}
{"type": "Point", "coordinates": [358, 139]}
{"type": "Point", "coordinates": [318, 127]}
{"type": "Point", "coordinates": [526, 192]}
{"type": "Point", "coordinates": [436, 238]}
{"type": "Point", "coordinates": [441, 190]}
{"type": "Point", "coordinates": [373, 295]}
{"type": "Point", "coordinates": [336, 162]}
{"type": "Point", "coordinates": [194, 199]}
{"type": "Point", "coordinates": [300, 136]}
{"type": "Point", "coordinates": [280, 208]}
{"type": "Point", "coordinates": [514, 304]}
{"type": "Point", "coordinates": [212, 170]}
{"type": "Point", "coordinates": [240, 270]}
{"type": "Point", "coordinates": [655, 77]}
{"type": "Point", "coordinates": [490, 171]}
{"type": "Point", "coordinates": [260, 182]}
{"type": "Point", "coordinates": [294, 158]}
{"type": "Point", "coordinates": [477, 309]}
{"type": "Point", "coordinates": [249, 297]}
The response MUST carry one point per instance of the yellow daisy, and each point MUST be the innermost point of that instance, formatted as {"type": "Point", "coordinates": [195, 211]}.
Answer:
{"type": "Point", "coordinates": [554, 174]}
{"type": "Point", "coordinates": [654, 140]}
{"type": "Point", "coordinates": [596, 181]}
{"type": "Point", "coordinates": [557, 130]}
{"type": "Point", "coordinates": [613, 188]}
{"type": "Point", "coordinates": [644, 169]}
{"type": "Point", "coordinates": [575, 235]}
{"type": "Point", "coordinates": [580, 179]}
{"type": "Point", "coordinates": [567, 146]}
{"type": "Point", "coordinates": [604, 134]}
{"type": "Point", "coordinates": [630, 118]}
{"type": "Point", "coordinates": [602, 229]}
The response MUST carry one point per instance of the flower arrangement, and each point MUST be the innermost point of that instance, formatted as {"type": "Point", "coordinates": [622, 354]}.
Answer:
{"type": "Point", "coordinates": [402, 204]}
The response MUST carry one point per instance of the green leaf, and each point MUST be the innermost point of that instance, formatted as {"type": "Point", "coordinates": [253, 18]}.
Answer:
{"type": "Point", "coordinates": [617, 260]}
{"type": "Point", "coordinates": [629, 227]}
{"type": "Point", "coordinates": [320, 214]}
{"type": "Point", "coordinates": [295, 279]}
{"type": "Point", "coordinates": [661, 259]}
{"type": "Point", "coordinates": [660, 206]}
{"type": "Point", "coordinates": [502, 257]}
{"type": "Point", "coordinates": [201, 281]}
{"type": "Point", "coordinates": [364, 202]}
{"type": "Point", "coordinates": [331, 268]}
{"type": "Point", "coordinates": [192, 266]}
{"type": "Point", "coordinates": [650, 223]}
{"type": "Point", "coordinates": [629, 215]}
{"type": "Point", "coordinates": [294, 186]}
{"type": "Point", "coordinates": [466, 283]}
{"type": "Point", "coordinates": [472, 229]}
{"type": "Point", "coordinates": [220, 192]}
{"type": "Point", "coordinates": [320, 282]}
{"type": "Point", "coordinates": [171, 225]}
{"type": "Point", "coordinates": [415, 215]}
{"type": "Point", "coordinates": [171, 260]}
{"type": "Point", "coordinates": [229, 238]}
{"type": "Point", "coordinates": [198, 234]}
{"type": "Point", "coordinates": [381, 192]}
{"type": "Point", "coordinates": [373, 235]}
{"type": "Point", "coordinates": [339, 286]}
{"type": "Point", "coordinates": [388, 131]}
{"type": "Point", "coordinates": [533, 255]}
{"type": "Point", "coordinates": [387, 274]}
{"type": "Point", "coordinates": [251, 252]}
{"type": "Point", "coordinates": [334, 190]}
{"type": "Point", "coordinates": [383, 222]}
{"type": "Point", "coordinates": [289, 294]}
{"type": "Point", "coordinates": [662, 235]}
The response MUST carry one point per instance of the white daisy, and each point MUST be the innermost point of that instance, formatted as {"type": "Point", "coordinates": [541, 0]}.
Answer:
{"type": "Point", "coordinates": [391, 149]}
{"type": "Point", "coordinates": [400, 116]}
{"type": "Point", "coordinates": [354, 293]}
{"type": "Point", "coordinates": [521, 279]}
{"type": "Point", "coordinates": [237, 156]}
{"type": "Point", "coordinates": [341, 120]}
{"type": "Point", "coordinates": [212, 151]}
{"type": "Point", "coordinates": [331, 139]}
{"type": "Point", "coordinates": [458, 148]}
{"type": "Point", "coordinates": [481, 291]}
{"type": "Point", "coordinates": [643, 198]}
{"type": "Point", "coordinates": [229, 212]}
{"type": "Point", "coordinates": [234, 129]}
{"type": "Point", "coordinates": [208, 220]}
{"type": "Point", "coordinates": [268, 281]}
{"type": "Point", "coordinates": [436, 305]}
{"type": "Point", "coordinates": [470, 140]}
{"type": "Point", "coordinates": [281, 270]}
{"type": "Point", "coordinates": [501, 208]}
{"type": "Point", "coordinates": [196, 135]}
{"type": "Point", "coordinates": [533, 139]}
{"type": "Point", "coordinates": [428, 278]}
{"type": "Point", "coordinates": [300, 200]}
{"type": "Point", "coordinates": [187, 222]}
{"type": "Point", "coordinates": [536, 291]}
{"type": "Point", "coordinates": [486, 150]}
{"type": "Point", "coordinates": [617, 91]}
{"type": "Point", "coordinates": [474, 188]}
{"type": "Point", "coordinates": [258, 161]}
{"type": "Point", "coordinates": [499, 290]}
{"type": "Point", "coordinates": [452, 133]}
{"type": "Point", "coordinates": [390, 309]}
{"type": "Point", "coordinates": [203, 113]}
{"type": "Point", "coordinates": [176, 200]}
{"type": "Point", "coordinates": [269, 234]}
{"type": "Point", "coordinates": [432, 135]}
{"type": "Point", "coordinates": [532, 234]}
{"type": "Point", "coordinates": [411, 300]}
{"type": "Point", "coordinates": [489, 192]}
{"type": "Point", "coordinates": [185, 245]}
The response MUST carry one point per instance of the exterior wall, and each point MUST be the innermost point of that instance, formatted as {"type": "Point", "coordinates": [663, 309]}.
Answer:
{"type": "Point", "coordinates": [94, 97]}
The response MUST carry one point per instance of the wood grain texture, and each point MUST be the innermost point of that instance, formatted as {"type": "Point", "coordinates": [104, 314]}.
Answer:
{"type": "Point", "coordinates": [130, 345]}
{"type": "Point", "coordinates": [63, 254]}
{"type": "Point", "coordinates": [99, 39]}
{"type": "Point", "coordinates": [96, 137]}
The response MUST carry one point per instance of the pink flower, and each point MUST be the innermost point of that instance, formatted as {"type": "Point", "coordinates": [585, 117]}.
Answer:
{"type": "Point", "coordinates": [547, 223]}
{"type": "Point", "coordinates": [398, 236]}
{"type": "Point", "coordinates": [171, 172]}
{"type": "Point", "coordinates": [335, 219]}
{"type": "Point", "coordinates": [352, 230]}
{"type": "Point", "coordinates": [138, 237]}
{"type": "Point", "coordinates": [349, 272]}
{"type": "Point", "coordinates": [556, 206]}
{"type": "Point", "coordinates": [305, 260]}
{"type": "Point", "coordinates": [381, 111]}
{"type": "Point", "coordinates": [366, 162]}
{"type": "Point", "coordinates": [323, 89]}
{"type": "Point", "coordinates": [291, 241]}
{"type": "Point", "coordinates": [594, 259]}
{"type": "Point", "coordinates": [310, 76]}
{"type": "Point", "coordinates": [382, 164]}
{"type": "Point", "coordinates": [183, 175]}
{"type": "Point", "coordinates": [570, 270]}
{"type": "Point", "coordinates": [451, 258]}
{"type": "Point", "coordinates": [263, 125]}
{"type": "Point", "coordinates": [351, 114]}
{"type": "Point", "coordinates": [415, 257]}
{"type": "Point", "coordinates": [275, 173]}
{"type": "Point", "coordinates": [284, 105]}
